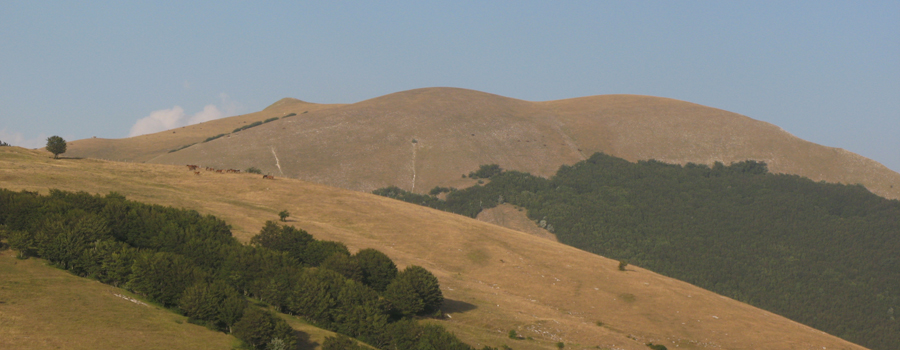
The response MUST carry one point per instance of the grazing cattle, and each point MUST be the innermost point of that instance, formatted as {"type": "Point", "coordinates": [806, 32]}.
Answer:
{"type": "Point", "coordinates": [219, 170]}
{"type": "Point", "coordinates": [270, 177]}
{"type": "Point", "coordinates": [196, 173]}
{"type": "Point", "coordinates": [192, 167]}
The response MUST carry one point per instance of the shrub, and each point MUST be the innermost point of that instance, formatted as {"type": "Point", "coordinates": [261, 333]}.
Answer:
{"type": "Point", "coordinates": [23, 243]}
{"type": "Point", "coordinates": [283, 215]}
{"type": "Point", "coordinates": [438, 190]}
{"type": "Point", "coordinates": [270, 120]}
{"type": "Point", "coordinates": [622, 265]}
{"type": "Point", "coordinates": [340, 342]}
{"type": "Point", "coordinates": [656, 346]}
{"type": "Point", "coordinates": [245, 127]}
{"type": "Point", "coordinates": [253, 170]}
{"type": "Point", "coordinates": [253, 124]}
{"type": "Point", "coordinates": [209, 139]}
{"type": "Point", "coordinates": [185, 146]}
{"type": "Point", "coordinates": [259, 328]}
{"type": "Point", "coordinates": [486, 171]}
{"type": "Point", "coordinates": [513, 334]}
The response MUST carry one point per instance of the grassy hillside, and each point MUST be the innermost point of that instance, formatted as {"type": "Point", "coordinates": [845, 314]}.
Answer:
{"type": "Point", "coordinates": [495, 279]}
{"type": "Point", "coordinates": [42, 307]}
{"type": "Point", "coordinates": [145, 148]}
{"type": "Point", "coordinates": [422, 138]}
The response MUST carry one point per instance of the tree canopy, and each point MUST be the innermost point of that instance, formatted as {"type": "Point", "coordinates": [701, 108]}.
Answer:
{"type": "Point", "coordinates": [821, 254]}
{"type": "Point", "coordinates": [190, 262]}
{"type": "Point", "coordinates": [56, 145]}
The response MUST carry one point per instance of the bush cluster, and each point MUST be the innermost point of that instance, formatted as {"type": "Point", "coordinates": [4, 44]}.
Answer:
{"type": "Point", "coordinates": [486, 172]}
{"type": "Point", "coordinates": [245, 127]}
{"type": "Point", "coordinates": [213, 137]}
{"type": "Point", "coordinates": [182, 147]}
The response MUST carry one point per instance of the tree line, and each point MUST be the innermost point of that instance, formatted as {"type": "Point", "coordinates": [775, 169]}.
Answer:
{"type": "Point", "coordinates": [191, 263]}
{"type": "Point", "coordinates": [822, 254]}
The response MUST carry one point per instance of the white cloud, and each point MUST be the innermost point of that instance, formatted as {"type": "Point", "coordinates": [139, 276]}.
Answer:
{"type": "Point", "coordinates": [17, 139]}
{"type": "Point", "coordinates": [157, 121]}
{"type": "Point", "coordinates": [175, 117]}
{"type": "Point", "coordinates": [210, 112]}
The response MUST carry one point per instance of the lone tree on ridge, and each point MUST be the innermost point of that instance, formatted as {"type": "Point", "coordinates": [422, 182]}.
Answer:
{"type": "Point", "coordinates": [56, 145]}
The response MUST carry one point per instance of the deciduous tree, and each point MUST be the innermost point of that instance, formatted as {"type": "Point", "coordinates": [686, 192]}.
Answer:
{"type": "Point", "coordinates": [56, 145]}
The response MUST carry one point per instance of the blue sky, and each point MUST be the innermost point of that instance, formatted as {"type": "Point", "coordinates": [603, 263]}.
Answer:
{"type": "Point", "coordinates": [827, 72]}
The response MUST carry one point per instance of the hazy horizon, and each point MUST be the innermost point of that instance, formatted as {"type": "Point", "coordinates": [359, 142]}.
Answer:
{"type": "Point", "coordinates": [824, 72]}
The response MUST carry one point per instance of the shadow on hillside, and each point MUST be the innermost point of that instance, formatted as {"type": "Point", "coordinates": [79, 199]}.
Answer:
{"type": "Point", "coordinates": [455, 306]}
{"type": "Point", "coordinates": [61, 157]}
{"type": "Point", "coordinates": [303, 342]}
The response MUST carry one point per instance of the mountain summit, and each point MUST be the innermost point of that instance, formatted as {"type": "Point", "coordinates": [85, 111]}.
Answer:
{"type": "Point", "coordinates": [422, 138]}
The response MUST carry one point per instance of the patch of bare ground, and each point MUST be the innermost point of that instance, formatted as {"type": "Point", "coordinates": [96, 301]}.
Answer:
{"type": "Point", "coordinates": [512, 217]}
{"type": "Point", "coordinates": [495, 279]}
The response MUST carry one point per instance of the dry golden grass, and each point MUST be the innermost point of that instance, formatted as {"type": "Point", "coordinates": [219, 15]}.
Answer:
{"type": "Point", "coordinates": [147, 147]}
{"type": "Point", "coordinates": [510, 216]}
{"type": "Point", "coordinates": [495, 279]}
{"type": "Point", "coordinates": [369, 144]}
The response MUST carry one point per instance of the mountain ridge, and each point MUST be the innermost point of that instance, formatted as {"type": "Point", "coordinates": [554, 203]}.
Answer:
{"type": "Point", "coordinates": [422, 138]}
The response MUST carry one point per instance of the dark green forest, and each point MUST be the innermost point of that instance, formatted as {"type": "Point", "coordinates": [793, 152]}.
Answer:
{"type": "Point", "coordinates": [190, 263]}
{"type": "Point", "coordinates": [826, 255]}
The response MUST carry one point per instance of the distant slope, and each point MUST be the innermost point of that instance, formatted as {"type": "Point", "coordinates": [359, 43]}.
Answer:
{"type": "Point", "coordinates": [144, 148]}
{"type": "Point", "coordinates": [422, 138]}
{"type": "Point", "coordinates": [495, 279]}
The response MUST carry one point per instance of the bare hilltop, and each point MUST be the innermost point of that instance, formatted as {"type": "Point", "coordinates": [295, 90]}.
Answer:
{"type": "Point", "coordinates": [422, 138]}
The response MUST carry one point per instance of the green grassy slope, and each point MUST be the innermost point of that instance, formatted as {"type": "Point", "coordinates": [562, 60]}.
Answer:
{"type": "Point", "coordinates": [42, 307]}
